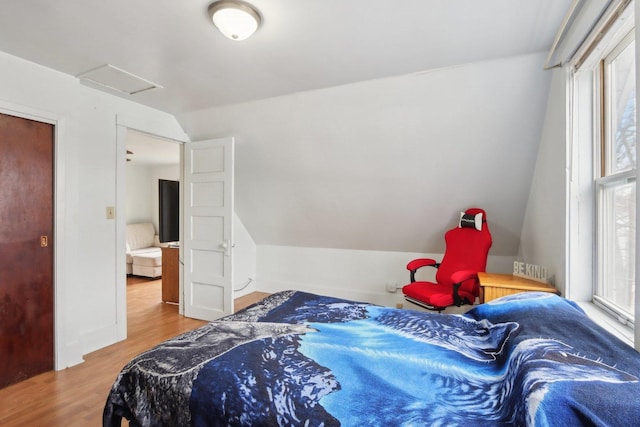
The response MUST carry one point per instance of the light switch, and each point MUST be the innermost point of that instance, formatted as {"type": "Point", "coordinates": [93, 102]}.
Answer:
{"type": "Point", "coordinates": [111, 212]}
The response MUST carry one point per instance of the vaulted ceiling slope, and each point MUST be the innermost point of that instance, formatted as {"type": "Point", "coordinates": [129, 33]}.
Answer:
{"type": "Point", "coordinates": [361, 124]}
{"type": "Point", "coordinates": [387, 164]}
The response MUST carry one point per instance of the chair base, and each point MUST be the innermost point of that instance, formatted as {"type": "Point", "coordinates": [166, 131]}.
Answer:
{"type": "Point", "coordinates": [433, 307]}
{"type": "Point", "coordinates": [423, 304]}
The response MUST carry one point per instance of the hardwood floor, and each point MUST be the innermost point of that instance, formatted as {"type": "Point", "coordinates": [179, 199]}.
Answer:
{"type": "Point", "coordinates": [76, 396]}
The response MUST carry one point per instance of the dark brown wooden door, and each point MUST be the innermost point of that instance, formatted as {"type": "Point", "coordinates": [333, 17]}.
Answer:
{"type": "Point", "coordinates": [26, 248]}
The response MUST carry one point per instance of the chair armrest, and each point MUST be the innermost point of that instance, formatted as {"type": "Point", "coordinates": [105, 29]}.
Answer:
{"type": "Point", "coordinates": [414, 265]}
{"type": "Point", "coordinates": [457, 278]}
{"type": "Point", "coordinates": [462, 275]}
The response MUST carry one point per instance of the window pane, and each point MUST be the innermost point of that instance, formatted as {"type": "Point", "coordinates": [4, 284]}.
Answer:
{"type": "Point", "coordinates": [623, 110]}
{"type": "Point", "coordinates": [618, 273]}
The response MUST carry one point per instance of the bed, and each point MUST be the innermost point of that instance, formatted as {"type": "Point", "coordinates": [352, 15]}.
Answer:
{"type": "Point", "coordinates": [302, 359]}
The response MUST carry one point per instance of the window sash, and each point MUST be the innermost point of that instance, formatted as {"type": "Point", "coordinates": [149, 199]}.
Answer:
{"type": "Point", "coordinates": [616, 93]}
{"type": "Point", "coordinates": [615, 287]}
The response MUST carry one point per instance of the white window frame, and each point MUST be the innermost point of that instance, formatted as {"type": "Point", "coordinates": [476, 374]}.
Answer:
{"type": "Point", "coordinates": [606, 177]}
{"type": "Point", "coordinates": [581, 208]}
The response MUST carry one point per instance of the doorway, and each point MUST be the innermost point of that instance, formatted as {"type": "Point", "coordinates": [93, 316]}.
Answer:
{"type": "Point", "coordinates": [149, 159]}
{"type": "Point", "coordinates": [26, 248]}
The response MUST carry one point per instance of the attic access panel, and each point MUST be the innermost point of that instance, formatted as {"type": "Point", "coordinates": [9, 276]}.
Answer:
{"type": "Point", "coordinates": [117, 79]}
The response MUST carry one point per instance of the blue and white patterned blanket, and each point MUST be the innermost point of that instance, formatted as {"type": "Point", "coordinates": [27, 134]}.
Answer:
{"type": "Point", "coordinates": [302, 359]}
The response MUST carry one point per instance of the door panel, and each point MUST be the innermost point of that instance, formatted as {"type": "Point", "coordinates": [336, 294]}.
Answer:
{"type": "Point", "coordinates": [208, 212]}
{"type": "Point", "coordinates": [26, 248]}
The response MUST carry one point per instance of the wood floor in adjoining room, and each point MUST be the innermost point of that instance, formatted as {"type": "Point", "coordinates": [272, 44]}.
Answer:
{"type": "Point", "coordinates": [76, 396]}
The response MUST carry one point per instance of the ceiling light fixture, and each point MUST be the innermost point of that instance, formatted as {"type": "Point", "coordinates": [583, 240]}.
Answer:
{"type": "Point", "coordinates": [235, 19]}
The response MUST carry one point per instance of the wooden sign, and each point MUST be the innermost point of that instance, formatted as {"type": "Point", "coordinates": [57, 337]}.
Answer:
{"type": "Point", "coordinates": [530, 271]}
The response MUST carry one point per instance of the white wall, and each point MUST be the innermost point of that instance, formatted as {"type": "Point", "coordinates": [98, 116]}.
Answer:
{"type": "Point", "coordinates": [88, 246]}
{"type": "Point", "coordinates": [380, 165]}
{"type": "Point", "coordinates": [543, 232]}
{"type": "Point", "coordinates": [350, 274]}
{"type": "Point", "coordinates": [142, 191]}
{"type": "Point", "coordinates": [245, 269]}
{"type": "Point", "coordinates": [340, 187]}
{"type": "Point", "coordinates": [138, 199]}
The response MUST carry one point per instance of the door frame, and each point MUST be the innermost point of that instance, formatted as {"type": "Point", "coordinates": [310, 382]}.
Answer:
{"type": "Point", "coordinates": [158, 129]}
{"type": "Point", "coordinates": [64, 354]}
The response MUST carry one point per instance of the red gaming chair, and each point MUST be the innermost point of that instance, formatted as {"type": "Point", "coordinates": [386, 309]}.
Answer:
{"type": "Point", "coordinates": [467, 248]}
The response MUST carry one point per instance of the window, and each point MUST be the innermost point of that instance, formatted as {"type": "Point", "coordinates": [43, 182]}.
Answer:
{"type": "Point", "coordinates": [601, 173]}
{"type": "Point", "coordinates": [615, 183]}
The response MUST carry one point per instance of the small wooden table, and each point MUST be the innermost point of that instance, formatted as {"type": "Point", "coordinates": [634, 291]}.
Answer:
{"type": "Point", "coordinates": [494, 286]}
{"type": "Point", "coordinates": [170, 275]}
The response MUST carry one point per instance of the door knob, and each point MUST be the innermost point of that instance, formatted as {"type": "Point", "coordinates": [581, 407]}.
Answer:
{"type": "Point", "coordinates": [226, 245]}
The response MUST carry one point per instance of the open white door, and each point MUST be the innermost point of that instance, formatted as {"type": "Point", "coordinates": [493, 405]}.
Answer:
{"type": "Point", "coordinates": [208, 215]}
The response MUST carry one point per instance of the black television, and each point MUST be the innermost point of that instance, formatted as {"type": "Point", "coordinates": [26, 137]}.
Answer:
{"type": "Point", "coordinates": [169, 206]}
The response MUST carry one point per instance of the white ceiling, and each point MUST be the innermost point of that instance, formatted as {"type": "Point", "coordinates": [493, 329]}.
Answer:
{"type": "Point", "coordinates": [359, 124]}
{"type": "Point", "coordinates": [150, 150]}
{"type": "Point", "coordinates": [301, 45]}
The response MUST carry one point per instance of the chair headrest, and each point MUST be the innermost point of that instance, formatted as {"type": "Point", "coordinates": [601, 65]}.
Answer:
{"type": "Point", "coordinates": [472, 218]}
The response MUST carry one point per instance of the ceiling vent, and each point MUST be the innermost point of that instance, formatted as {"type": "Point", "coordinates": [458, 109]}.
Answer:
{"type": "Point", "coordinates": [108, 76]}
